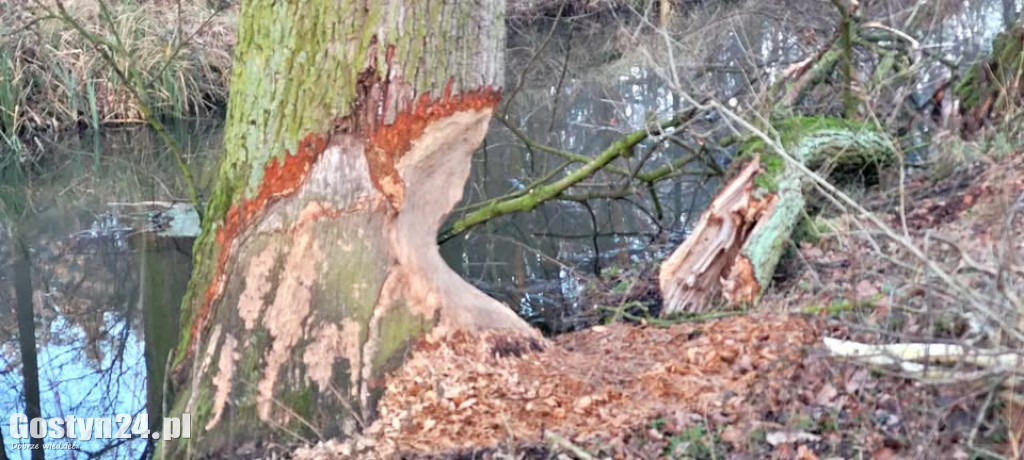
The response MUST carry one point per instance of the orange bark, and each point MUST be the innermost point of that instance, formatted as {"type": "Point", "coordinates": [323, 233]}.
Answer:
{"type": "Point", "coordinates": [386, 145]}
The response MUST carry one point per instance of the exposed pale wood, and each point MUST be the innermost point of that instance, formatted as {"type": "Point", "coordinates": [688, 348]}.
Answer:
{"type": "Point", "coordinates": [939, 353]}
{"type": "Point", "coordinates": [690, 279]}
{"type": "Point", "coordinates": [348, 140]}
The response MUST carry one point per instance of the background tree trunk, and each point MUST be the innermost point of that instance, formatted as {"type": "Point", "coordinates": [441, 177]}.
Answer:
{"type": "Point", "coordinates": [350, 127]}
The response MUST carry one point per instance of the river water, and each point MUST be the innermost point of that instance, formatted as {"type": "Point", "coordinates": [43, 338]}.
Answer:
{"type": "Point", "coordinates": [101, 308]}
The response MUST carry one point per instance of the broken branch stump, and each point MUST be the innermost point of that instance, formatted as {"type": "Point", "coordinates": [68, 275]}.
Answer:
{"type": "Point", "coordinates": [736, 245]}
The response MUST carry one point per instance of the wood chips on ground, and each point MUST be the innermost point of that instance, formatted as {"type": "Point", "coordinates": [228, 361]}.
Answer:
{"type": "Point", "coordinates": [597, 383]}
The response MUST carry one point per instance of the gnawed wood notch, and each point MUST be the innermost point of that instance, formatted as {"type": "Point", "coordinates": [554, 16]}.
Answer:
{"type": "Point", "coordinates": [317, 267]}
{"type": "Point", "coordinates": [736, 245]}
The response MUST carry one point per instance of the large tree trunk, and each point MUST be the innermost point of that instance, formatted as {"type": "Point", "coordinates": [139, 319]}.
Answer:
{"type": "Point", "coordinates": [349, 133]}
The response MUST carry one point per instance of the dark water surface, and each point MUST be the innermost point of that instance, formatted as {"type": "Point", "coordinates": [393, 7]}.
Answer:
{"type": "Point", "coordinates": [98, 304]}
{"type": "Point", "coordinates": [99, 299]}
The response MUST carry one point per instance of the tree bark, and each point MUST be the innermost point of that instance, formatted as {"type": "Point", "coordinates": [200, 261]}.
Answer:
{"type": "Point", "coordinates": [739, 240]}
{"type": "Point", "coordinates": [350, 127]}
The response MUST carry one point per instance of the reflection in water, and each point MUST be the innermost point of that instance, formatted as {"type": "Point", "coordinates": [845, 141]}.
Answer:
{"type": "Point", "coordinates": [27, 334]}
{"type": "Point", "coordinates": [82, 277]}
{"type": "Point", "coordinates": [164, 270]}
{"type": "Point", "coordinates": [104, 304]}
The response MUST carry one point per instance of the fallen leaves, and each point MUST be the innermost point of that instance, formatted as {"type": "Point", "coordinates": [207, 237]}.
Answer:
{"type": "Point", "coordinates": [613, 378]}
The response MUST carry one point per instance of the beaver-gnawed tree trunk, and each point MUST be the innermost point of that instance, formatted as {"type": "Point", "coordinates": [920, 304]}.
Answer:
{"type": "Point", "coordinates": [350, 126]}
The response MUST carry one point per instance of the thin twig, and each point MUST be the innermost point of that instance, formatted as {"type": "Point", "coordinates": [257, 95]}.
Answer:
{"type": "Point", "coordinates": [565, 444]}
{"type": "Point", "coordinates": [932, 267]}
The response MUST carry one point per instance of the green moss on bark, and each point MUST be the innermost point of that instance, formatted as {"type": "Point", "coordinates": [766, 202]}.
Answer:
{"type": "Point", "coordinates": [398, 328]}
{"type": "Point", "coordinates": [836, 143]}
{"type": "Point", "coordinates": [819, 143]}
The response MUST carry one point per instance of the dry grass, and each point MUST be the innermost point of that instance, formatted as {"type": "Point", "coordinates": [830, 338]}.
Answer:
{"type": "Point", "coordinates": [53, 78]}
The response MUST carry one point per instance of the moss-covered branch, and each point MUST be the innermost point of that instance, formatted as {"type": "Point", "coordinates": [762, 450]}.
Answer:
{"type": "Point", "coordinates": [533, 197]}
{"type": "Point", "coordinates": [821, 143]}
{"type": "Point", "coordinates": [846, 31]}
{"type": "Point", "coordinates": [739, 240]}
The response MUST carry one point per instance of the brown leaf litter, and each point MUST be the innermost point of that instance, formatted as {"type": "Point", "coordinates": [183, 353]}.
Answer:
{"type": "Point", "coordinates": [745, 387]}
{"type": "Point", "coordinates": [748, 386]}
{"type": "Point", "coordinates": [456, 393]}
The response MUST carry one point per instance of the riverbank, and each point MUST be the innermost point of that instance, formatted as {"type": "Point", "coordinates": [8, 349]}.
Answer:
{"type": "Point", "coordinates": [53, 78]}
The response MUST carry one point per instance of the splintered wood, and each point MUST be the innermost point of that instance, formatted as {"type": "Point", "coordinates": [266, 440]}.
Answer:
{"type": "Point", "coordinates": [710, 259]}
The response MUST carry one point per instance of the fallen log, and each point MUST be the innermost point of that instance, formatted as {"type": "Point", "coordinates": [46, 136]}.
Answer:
{"type": "Point", "coordinates": [736, 245]}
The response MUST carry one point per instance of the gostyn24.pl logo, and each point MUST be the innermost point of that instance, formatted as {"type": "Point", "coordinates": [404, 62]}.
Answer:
{"type": "Point", "coordinates": [121, 426]}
